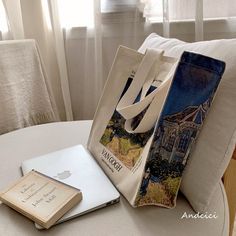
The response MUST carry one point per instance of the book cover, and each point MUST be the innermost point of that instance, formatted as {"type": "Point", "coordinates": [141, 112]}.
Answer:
{"type": "Point", "coordinates": [41, 198]}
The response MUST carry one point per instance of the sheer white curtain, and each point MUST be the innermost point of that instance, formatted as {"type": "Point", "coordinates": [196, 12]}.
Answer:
{"type": "Point", "coordinates": [39, 20]}
{"type": "Point", "coordinates": [167, 11]}
{"type": "Point", "coordinates": [91, 43]}
{"type": "Point", "coordinates": [92, 40]}
{"type": "Point", "coordinates": [78, 39]}
{"type": "Point", "coordinates": [81, 23]}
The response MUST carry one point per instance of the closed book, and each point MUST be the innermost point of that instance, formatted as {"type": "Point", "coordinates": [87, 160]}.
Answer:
{"type": "Point", "coordinates": [41, 198]}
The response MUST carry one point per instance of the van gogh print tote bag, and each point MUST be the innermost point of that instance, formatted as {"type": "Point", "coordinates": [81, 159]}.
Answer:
{"type": "Point", "coordinates": [148, 118]}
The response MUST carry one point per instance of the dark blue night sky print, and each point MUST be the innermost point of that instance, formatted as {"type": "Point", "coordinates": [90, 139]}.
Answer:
{"type": "Point", "coordinates": [191, 87]}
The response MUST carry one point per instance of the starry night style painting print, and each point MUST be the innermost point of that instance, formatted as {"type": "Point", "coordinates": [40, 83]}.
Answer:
{"type": "Point", "coordinates": [189, 99]}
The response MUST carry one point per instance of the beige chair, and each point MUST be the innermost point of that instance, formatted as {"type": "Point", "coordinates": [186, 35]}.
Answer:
{"type": "Point", "coordinates": [25, 94]}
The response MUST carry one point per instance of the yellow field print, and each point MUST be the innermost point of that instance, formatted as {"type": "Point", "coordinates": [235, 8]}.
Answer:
{"type": "Point", "coordinates": [123, 145]}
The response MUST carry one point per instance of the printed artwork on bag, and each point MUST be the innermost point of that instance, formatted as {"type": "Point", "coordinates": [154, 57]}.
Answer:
{"type": "Point", "coordinates": [145, 156]}
{"type": "Point", "coordinates": [123, 145]}
{"type": "Point", "coordinates": [189, 98]}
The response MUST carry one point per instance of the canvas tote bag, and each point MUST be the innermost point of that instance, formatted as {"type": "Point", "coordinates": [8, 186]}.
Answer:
{"type": "Point", "coordinates": [147, 119]}
{"type": "Point", "coordinates": [137, 84]}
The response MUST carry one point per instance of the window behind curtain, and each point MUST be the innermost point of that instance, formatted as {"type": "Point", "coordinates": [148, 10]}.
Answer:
{"type": "Point", "coordinates": [184, 10]}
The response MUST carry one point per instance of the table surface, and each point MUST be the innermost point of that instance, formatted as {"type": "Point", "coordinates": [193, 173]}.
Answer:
{"type": "Point", "coordinates": [118, 219]}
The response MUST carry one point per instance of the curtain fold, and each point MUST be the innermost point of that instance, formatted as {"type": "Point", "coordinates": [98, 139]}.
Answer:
{"type": "Point", "coordinates": [98, 49]}
{"type": "Point", "coordinates": [14, 15]}
{"type": "Point", "coordinates": [199, 20]}
{"type": "Point", "coordinates": [166, 21]}
{"type": "Point", "coordinates": [61, 57]}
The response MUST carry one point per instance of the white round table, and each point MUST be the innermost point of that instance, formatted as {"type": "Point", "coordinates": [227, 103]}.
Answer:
{"type": "Point", "coordinates": [119, 219]}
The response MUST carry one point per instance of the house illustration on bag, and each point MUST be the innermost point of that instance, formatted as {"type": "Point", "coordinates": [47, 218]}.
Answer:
{"type": "Point", "coordinates": [178, 131]}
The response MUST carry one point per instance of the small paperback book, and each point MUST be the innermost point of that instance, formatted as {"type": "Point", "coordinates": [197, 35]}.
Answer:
{"type": "Point", "coordinates": [41, 198]}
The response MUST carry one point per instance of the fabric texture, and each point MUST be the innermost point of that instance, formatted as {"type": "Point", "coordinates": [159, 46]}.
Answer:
{"type": "Point", "coordinates": [25, 96]}
{"type": "Point", "coordinates": [213, 149]}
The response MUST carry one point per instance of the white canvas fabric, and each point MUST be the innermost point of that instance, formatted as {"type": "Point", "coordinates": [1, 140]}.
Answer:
{"type": "Point", "coordinates": [145, 70]}
{"type": "Point", "coordinates": [216, 141]}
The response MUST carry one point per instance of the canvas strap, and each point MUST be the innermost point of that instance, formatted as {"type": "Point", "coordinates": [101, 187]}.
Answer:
{"type": "Point", "coordinates": [151, 65]}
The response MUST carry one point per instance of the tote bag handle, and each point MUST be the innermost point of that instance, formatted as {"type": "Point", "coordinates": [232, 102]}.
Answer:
{"type": "Point", "coordinates": [126, 106]}
{"type": "Point", "coordinates": [150, 66]}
